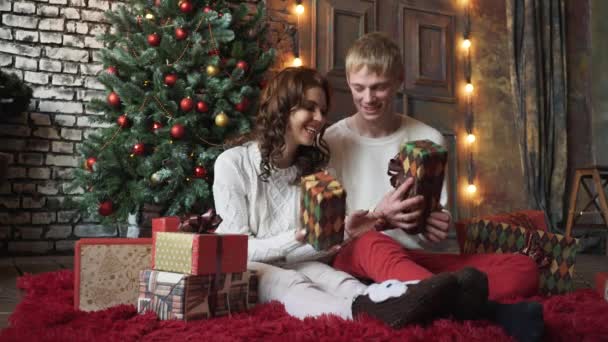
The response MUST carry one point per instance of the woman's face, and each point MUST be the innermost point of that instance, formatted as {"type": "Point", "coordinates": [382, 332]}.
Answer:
{"type": "Point", "coordinates": [306, 121]}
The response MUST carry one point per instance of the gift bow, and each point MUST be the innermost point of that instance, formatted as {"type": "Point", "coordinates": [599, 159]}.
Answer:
{"type": "Point", "coordinates": [396, 172]}
{"type": "Point", "coordinates": [204, 223]}
{"type": "Point", "coordinates": [535, 252]}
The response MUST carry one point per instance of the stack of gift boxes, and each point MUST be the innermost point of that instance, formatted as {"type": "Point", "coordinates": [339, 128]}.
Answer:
{"type": "Point", "coordinates": [195, 275]}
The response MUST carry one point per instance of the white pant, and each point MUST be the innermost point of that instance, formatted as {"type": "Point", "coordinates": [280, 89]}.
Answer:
{"type": "Point", "coordinates": [308, 288]}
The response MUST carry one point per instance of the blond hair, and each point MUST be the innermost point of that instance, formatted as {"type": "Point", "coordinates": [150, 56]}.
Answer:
{"type": "Point", "coordinates": [377, 52]}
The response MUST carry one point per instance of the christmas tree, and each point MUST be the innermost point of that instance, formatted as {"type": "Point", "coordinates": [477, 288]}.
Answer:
{"type": "Point", "coordinates": [181, 77]}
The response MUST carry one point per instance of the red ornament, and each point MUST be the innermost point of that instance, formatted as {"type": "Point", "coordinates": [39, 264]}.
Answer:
{"type": "Point", "coordinates": [220, 15]}
{"type": "Point", "coordinates": [170, 79]}
{"type": "Point", "coordinates": [113, 99]}
{"type": "Point", "coordinates": [178, 131]}
{"type": "Point", "coordinates": [154, 39]}
{"type": "Point", "coordinates": [157, 3]}
{"type": "Point", "coordinates": [185, 6]}
{"type": "Point", "coordinates": [206, 9]}
{"type": "Point", "coordinates": [242, 65]}
{"type": "Point", "coordinates": [139, 149]}
{"type": "Point", "coordinates": [181, 33]}
{"type": "Point", "coordinates": [123, 121]}
{"type": "Point", "coordinates": [201, 107]}
{"type": "Point", "coordinates": [156, 126]}
{"type": "Point", "coordinates": [214, 52]}
{"type": "Point", "coordinates": [112, 70]}
{"type": "Point", "coordinates": [89, 163]}
{"type": "Point", "coordinates": [186, 104]}
{"type": "Point", "coordinates": [106, 208]}
{"type": "Point", "coordinates": [200, 172]}
{"type": "Point", "coordinates": [243, 105]}
{"type": "Point", "coordinates": [263, 84]}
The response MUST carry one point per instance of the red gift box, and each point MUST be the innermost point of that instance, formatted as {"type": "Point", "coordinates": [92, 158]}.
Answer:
{"type": "Point", "coordinates": [165, 224]}
{"type": "Point", "coordinates": [601, 284]}
{"type": "Point", "coordinates": [199, 254]}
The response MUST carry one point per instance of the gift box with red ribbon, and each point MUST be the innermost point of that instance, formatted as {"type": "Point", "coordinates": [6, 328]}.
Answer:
{"type": "Point", "coordinates": [188, 245]}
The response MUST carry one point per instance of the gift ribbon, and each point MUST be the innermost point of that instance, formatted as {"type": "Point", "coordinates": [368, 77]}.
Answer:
{"type": "Point", "coordinates": [396, 172]}
{"type": "Point", "coordinates": [534, 251]}
{"type": "Point", "coordinates": [204, 223]}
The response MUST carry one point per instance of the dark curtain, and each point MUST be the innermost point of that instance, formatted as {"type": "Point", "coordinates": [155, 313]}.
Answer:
{"type": "Point", "coordinates": [537, 41]}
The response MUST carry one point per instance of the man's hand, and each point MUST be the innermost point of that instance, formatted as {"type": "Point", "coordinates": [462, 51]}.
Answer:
{"type": "Point", "coordinates": [437, 226]}
{"type": "Point", "coordinates": [398, 211]}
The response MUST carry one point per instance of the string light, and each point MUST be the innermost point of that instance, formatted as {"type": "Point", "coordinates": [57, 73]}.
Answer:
{"type": "Point", "coordinates": [469, 88]}
{"type": "Point", "coordinates": [471, 188]}
{"type": "Point", "coordinates": [297, 62]}
{"type": "Point", "coordinates": [466, 44]}
{"type": "Point", "coordinates": [299, 7]}
{"type": "Point", "coordinates": [471, 138]}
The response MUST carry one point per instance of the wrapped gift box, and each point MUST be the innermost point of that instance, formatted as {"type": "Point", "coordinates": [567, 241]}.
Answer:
{"type": "Point", "coordinates": [166, 224]}
{"type": "Point", "coordinates": [188, 297]}
{"type": "Point", "coordinates": [199, 254]}
{"type": "Point", "coordinates": [107, 271]}
{"type": "Point", "coordinates": [425, 161]}
{"type": "Point", "coordinates": [323, 208]}
{"type": "Point", "coordinates": [601, 284]}
{"type": "Point", "coordinates": [555, 254]}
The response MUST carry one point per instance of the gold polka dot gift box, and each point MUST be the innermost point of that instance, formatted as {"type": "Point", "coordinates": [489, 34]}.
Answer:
{"type": "Point", "coordinates": [193, 253]}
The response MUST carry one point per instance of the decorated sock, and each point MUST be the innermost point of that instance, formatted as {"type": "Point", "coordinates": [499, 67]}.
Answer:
{"type": "Point", "coordinates": [421, 302]}
{"type": "Point", "coordinates": [523, 321]}
{"type": "Point", "coordinates": [472, 298]}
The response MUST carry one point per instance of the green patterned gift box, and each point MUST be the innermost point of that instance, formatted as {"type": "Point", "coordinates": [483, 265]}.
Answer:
{"type": "Point", "coordinates": [555, 254]}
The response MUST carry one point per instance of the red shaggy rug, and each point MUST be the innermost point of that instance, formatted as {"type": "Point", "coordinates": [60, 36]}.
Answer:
{"type": "Point", "coordinates": [46, 313]}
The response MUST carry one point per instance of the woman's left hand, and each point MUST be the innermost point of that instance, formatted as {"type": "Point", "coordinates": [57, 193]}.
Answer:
{"type": "Point", "coordinates": [360, 222]}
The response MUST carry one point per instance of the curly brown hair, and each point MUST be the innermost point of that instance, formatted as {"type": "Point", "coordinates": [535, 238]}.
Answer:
{"type": "Point", "coordinates": [282, 94]}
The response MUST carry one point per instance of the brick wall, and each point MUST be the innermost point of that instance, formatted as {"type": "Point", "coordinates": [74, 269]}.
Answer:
{"type": "Point", "coordinates": [51, 45]}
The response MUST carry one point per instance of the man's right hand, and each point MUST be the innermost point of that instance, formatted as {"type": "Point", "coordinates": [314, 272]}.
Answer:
{"type": "Point", "coordinates": [398, 211]}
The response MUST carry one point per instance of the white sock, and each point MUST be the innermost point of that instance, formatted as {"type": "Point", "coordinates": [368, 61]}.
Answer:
{"type": "Point", "coordinates": [388, 289]}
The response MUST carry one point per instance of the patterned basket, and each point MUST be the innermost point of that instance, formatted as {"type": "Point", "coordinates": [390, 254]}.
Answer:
{"type": "Point", "coordinates": [555, 254]}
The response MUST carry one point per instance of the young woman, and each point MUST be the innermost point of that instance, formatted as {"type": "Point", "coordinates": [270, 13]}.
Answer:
{"type": "Point", "coordinates": [256, 191]}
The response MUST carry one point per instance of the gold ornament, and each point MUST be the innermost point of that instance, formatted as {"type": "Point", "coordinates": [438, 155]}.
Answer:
{"type": "Point", "coordinates": [150, 16]}
{"type": "Point", "coordinates": [155, 178]}
{"type": "Point", "coordinates": [222, 120]}
{"type": "Point", "coordinates": [147, 83]}
{"type": "Point", "coordinates": [212, 70]}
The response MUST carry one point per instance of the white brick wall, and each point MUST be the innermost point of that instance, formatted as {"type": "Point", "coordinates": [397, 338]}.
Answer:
{"type": "Point", "coordinates": [51, 45]}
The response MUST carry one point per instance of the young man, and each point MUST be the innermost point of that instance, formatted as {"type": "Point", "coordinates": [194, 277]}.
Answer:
{"type": "Point", "coordinates": [361, 146]}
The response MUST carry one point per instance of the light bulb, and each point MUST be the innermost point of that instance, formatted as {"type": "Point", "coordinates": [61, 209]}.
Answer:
{"type": "Point", "coordinates": [466, 44]}
{"type": "Point", "coordinates": [471, 138]}
{"type": "Point", "coordinates": [297, 62]}
{"type": "Point", "coordinates": [471, 188]}
{"type": "Point", "coordinates": [299, 9]}
{"type": "Point", "coordinates": [469, 88]}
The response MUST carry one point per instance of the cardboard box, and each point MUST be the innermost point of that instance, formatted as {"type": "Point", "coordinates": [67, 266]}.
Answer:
{"type": "Point", "coordinates": [106, 271]}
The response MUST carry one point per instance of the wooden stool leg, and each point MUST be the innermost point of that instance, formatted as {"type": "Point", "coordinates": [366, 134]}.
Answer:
{"type": "Point", "coordinates": [602, 197]}
{"type": "Point", "coordinates": [572, 206]}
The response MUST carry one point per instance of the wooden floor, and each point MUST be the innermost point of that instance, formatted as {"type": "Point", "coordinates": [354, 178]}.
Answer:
{"type": "Point", "coordinates": [11, 268]}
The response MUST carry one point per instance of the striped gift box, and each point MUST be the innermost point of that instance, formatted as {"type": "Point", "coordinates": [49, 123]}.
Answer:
{"type": "Point", "coordinates": [322, 209]}
{"type": "Point", "coordinates": [178, 296]}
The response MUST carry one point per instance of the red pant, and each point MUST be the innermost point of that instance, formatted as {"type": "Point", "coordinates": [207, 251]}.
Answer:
{"type": "Point", "coordinates": [378, 257]}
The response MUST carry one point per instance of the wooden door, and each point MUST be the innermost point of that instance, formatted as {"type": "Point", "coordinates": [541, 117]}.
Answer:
{"type": "Point", "coordinates": [427, 32]}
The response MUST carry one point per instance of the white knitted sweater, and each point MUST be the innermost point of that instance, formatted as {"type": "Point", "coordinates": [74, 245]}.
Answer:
{"type": "Point", "coordinates": [266, 211]}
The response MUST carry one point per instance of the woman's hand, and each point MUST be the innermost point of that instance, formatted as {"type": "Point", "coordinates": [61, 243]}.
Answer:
{"type": "Point", "coordinates": [360, 222]}
{"type": "Point", "coordinates": [437, 226]}
{"type": "Point", "coordinates": [301, 235]}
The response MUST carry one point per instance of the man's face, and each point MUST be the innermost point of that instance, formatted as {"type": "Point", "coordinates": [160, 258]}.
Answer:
{"type": "Point", "coordinates": [373, 94]}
